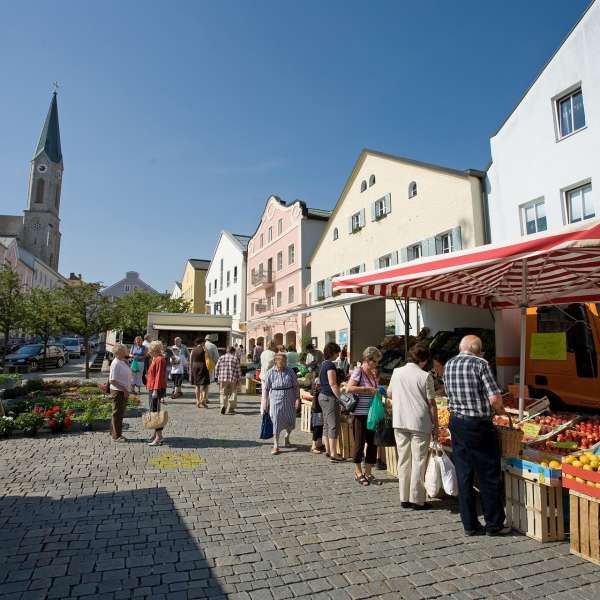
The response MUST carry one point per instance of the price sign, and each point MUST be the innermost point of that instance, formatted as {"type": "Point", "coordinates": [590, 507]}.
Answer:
{"type": "Point", "coordinates": [568, 445]}
{"type": "Point", "coordinates": [531, 429]}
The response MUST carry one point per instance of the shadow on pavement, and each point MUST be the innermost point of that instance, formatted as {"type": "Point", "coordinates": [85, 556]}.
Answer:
{"type": "Point", "coordinates": [103, 544]}
{"type": "Point", "coordinates": [186, 442]}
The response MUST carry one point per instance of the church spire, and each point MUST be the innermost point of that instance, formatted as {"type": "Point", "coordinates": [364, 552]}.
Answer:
{"type": "Point", "coordinates": [49, 141]}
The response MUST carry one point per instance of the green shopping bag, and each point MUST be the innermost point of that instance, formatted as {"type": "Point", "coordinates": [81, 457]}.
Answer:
{"type": "Point", "coordinates": [376, 412]}
{"type": "Point", "coordinates": [135, 366]}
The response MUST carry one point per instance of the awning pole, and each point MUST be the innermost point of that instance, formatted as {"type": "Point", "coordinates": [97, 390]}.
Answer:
{"type": "Point", "coordinates": [406, 326]}
{"type": "Point", "coordinates": [523, 349]}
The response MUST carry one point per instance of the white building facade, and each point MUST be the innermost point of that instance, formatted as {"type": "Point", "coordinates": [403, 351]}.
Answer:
{"type": "Point", "coordinates": [545, 172]}
{"type": "Point", "coordinates": [226, 282]}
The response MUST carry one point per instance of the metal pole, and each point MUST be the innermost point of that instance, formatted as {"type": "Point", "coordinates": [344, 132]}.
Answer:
{"type": "Point", "coordinates": [523, 348]}
{"type": "Point", "coordinates": [406, 326]}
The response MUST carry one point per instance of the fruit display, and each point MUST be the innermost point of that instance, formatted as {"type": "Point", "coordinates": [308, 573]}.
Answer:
{"type": "Point", "coordinates": [443, 417]}
{"type": "Point", "coordinates": [585, 433]}
{"type": "Point", "coordinates": [503, 421]}
{"type": "Point", "coordinates": [582, 473]}
{"type": "Point", "coordinates": [444, 436]}
{"type": "Point", "coordinates": [549, 423]}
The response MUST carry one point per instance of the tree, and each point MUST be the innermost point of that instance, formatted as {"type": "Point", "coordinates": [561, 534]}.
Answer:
{"type": "Point", "coordinates": [11, 303]}
{"type": "Point", "coordinates": [88, 313]}
{"type": "Point", "coordinates": [45, 313]}
{"type": "Point", "coordinates": [131, 310]}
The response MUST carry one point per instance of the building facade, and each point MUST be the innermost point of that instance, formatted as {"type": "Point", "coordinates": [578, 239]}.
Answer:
{"type": "Point", "coordinates": [277, 273]}
{"type": "Point", "coordinates": [226, 282]}
{"type": "Point", "coordinates": [392, 210]}
{"type": "Point", "coordinates": [11, 254]}
{"type": "Point", "coordinates": [193, 284]}
{"type": "Point", "coordinates": [545, 174]}
{"type": "Point", "coordinates": [130, 283]}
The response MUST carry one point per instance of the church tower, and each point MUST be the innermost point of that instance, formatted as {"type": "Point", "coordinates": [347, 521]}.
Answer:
{"type": "Point", "coordinates": [41, 223]}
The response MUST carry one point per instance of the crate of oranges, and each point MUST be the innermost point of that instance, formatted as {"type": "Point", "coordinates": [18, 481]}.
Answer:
{"type": "Point", "coordinates": [581, 473]}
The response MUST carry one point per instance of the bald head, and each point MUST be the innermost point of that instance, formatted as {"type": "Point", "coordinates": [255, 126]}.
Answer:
{"type": "Point", "coordinates": [470, 343]}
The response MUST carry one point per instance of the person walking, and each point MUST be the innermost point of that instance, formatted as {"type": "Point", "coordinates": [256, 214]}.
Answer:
{"type": "Point", "coordinates": [199, 374]}
{"type": "Point", "coordinates": [329, 393]}
{"type": "Point", "coordinates": [147, 341]}
{"type": "Point", "coordinates": [414, 418]}
{"type": "Point", "coordinates": [137, 354]}
{"type": "Point", "coordinates": [473, 398]}
{"type": "Point", "coordinates": [293, 358]}
{"type": "Point", "coordinates": [363, 382]}
{"type": "Point", "coordinates": [156, 385]}
{"type": "Point", "coordinates": [178, 364]}
{"type": "Point", "coordinates": [120, 383]}
{"type": "Point", "coordinates": [213, 352]}
{"type": "Point", "coordinates": [256, 353]}
{"type": "Point", "coordinates": [229, 375]}
{"type": "Point", "coordinates": [282, 395]}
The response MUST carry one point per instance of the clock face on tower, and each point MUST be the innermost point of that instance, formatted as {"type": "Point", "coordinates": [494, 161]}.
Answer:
{"type": "Point", "coordinates": [42, 168]}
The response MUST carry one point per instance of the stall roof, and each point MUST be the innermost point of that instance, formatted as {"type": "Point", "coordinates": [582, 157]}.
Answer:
{"type": "Point", "coordinates": [176, 327]}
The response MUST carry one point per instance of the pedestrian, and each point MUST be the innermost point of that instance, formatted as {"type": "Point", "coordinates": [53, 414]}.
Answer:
{"type": "Point", "coordinates": [199, 374]}
{"type": "Point", "coordinates": [329, 393]}
{"type": "Point", "coordinates": [147, 341]}
{"type": "Point", "coordinates": [342, 362]}
{"type": "Point", "coordinates": [314, 357]}
{"type": "Point", "coordinates": [267, 360]}
{"type": "Point", "coordinates": [228, 375]}
{"type": "Point", "coordinates": [438, 361]}
{"type": "Point", "coordinates": [178, 364]}
{"type": "Point", "coordinates": [258, 350]}
{"type": "Point", "coordinates": [239, 351]}
{"type": "Point", "coordinates": [414, 418]}
{"type": "Point", "coordinates": [120, 383]}
{"type": "Point", "coordinates": [213, 352]}
{"type": "Point", "coordinates": [137, 354]}
{"type": "Point", "coordinates": [364, 383]}
{"type": "Point", "coordinates": [156, 385]}
{"type": "Point", "coordinates": [282, 395]}
{"type": "Point", "coordinates": [473, 398]}
{"type": "Point", "coordinates": [293, 358]}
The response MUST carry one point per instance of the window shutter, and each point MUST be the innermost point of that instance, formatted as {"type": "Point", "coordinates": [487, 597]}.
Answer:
{"type": "Point", "coordinates": [315, 292]}
{"type": "Point", "coordinates": [362, 217]}
{"type": "Point", "coordinates": [429, 247]}
{"type": "Point", "coordinates": [328, 288]}
{"type": "Point", "coordinates": [373, 213]}
{"type": "Point", "coordinates": [438, 245]}
{"type": "Point", "coordinates": [376, 264]}
{"type": "Point", "coordinates": [403, 255]}
{"type": "Point", "coordinates": [363, 268]}
{"type": "Point", "coordinates": [350, 224]}
{"type": "Point", "coordinates": [394, 260]}
{"type": "Point", "coordinates": [388, 204]}
{"type": "Point", "coordinates": [456, 238]}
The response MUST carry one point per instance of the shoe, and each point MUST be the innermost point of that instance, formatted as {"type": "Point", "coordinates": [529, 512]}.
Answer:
{"type": "Point", "coordinates": [499, 531]}
{"type": "Point", "coordinates": [155, 443]}
{"type": "Point", "coordinates": [424, 506]}
{"type": "Point", "coordinates": [406, 504]}
{"type": "Point", "coordinates": [222, 410]}
{"type": "Point", "coordinates": [120, 440]}
{"type": "Point", "coordinates": [230, 412]}
{"type": "Point", "coordinates": [381, 466]}
{"type": "Point", "coordinates": [275, 451]}
{"type": "Point", "coordinates": [336, 459]}
{"type": "Point", "coordinates": [472, 532]}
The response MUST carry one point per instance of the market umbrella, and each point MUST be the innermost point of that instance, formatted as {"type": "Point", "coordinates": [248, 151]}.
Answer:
{"type": "Point", "coordinates": [542, 270]}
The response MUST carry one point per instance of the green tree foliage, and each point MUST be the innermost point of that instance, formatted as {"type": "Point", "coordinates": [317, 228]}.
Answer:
{"type": "Point", "coordinates": [11, 303]}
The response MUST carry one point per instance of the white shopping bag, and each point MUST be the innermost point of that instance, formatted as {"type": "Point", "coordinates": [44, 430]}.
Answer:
{"type": "Point", "coordinates": [433, 476]}
{"type": "Point", "coordinates": [447, 471]}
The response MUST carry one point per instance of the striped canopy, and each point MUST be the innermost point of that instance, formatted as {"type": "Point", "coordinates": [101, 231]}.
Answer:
{"type": "Point", "coordinates": [543, 269]}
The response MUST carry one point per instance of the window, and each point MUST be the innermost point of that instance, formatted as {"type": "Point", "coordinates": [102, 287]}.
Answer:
{"type": "Point", "coordinates": [363, 185]}
{"type": "Point", "coordinates": [57, 195]}
{"type": "Point", "coordinates": [279, 226]}
{"type": "Point", "coordinates": [443, 243]}
{"type": "Point", "coordinates": [39, 191]}
{"type": "Point", "coordinates": [291, 294]}
{"type": "Point", "coordinates": [262, 240]}
{"type": "Point", "coordinates": [252, 309]}
{"type": "Point", "coordinates": [279, 299]}
{"type": "Point", "coordinates": [354, 270]}
{"type": "Point", "coordinates": [291, 254]}
{"type": "Point", "coordinates": [380, 208]}
{"type": "Point", "coordinates": [355, 222]}
{"type": "Point", "coordinates": [227, 306]}
{"type": "Point", "coordinates": [571, 115]}
{"type": "Point", "coordinates": [235, 304]}
{"type": "Point", "coordinates": [221, 275]}
{"type": "Point", "coordinates": [412, 189]}
{"type": "Point", "coordinates": [215, 287]}
{"type": "Point", "coordinates": [321, 290]}
{"type": "Point", "coordinates": [384, 261]}
{"type": "Point", "coordinates": [414, 252]}
{"type": "Point", "coordinates": [234, 274]}
{"type": "Point", "coordinates": [49, 235]}
{"type": "Point", "coordinates": [371, 180]}
{"type": "Point", "coordinates": [533, 217]}
{"type": "Point", "coordinates": [270, 234]}
{"type": "Point", "coordinates": [228, 278]}
{"type": "Point", "coordinates": [579, 204]}
{"type": "Point", "coordinates": [126, 287]}
{"type": "Point", "coordinates": [279, 261]}
{"type": "Point", "coordinates": [336, 234]}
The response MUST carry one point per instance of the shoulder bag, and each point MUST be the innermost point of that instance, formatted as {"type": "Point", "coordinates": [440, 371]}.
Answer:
{"type": "Point", "coordinates": [155, 420]}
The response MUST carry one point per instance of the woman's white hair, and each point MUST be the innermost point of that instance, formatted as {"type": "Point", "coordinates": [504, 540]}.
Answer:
{"type": "Point", "coordinates": [120, 349]}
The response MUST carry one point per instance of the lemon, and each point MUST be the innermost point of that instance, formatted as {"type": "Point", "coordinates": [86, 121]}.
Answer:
{"type": "Point", "coordinates": [569, 476]}
{"type": "Point", "coordinates": [584, 459]}
{"type": "Point", "coordinates": [569, 459]}
{"type": "Point", "coordinates": [591, 484]}
{"type": "Point", "coordinates": [579, 480]}
{"type": "Point", "coordinates": [587, 468]}
{"type": "Point", "coordinates": [554, 464]}
{"type": "Point", "coordinates": [544, 463]}
{"type": "Point", "coordinates": [577, 463]}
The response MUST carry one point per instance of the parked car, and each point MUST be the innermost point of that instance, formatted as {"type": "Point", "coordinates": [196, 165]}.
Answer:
{"type": "Point", "coordinates": [66, 353]}
{"type": "Point", "coordinates": [73, 345]}
{"type": "Point", "coordinates": [32, 355]}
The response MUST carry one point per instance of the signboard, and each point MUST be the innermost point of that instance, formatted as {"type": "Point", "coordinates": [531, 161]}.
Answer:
{"type": "Point", "coordinates": [548, 346]}
{"type": "Point", "coordinates": [531, 429]}
{"type": "Point", "coordinates": [568, 445]}
{"type": "Point", "coordinates": [343, 337]}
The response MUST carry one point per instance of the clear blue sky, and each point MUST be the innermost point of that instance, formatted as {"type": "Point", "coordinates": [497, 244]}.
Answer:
{"type": "Point", "coordinates": [178, 119]}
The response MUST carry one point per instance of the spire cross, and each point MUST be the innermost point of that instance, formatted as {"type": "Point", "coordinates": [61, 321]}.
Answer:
{"type": "Point", "coordinates": [55, 86]}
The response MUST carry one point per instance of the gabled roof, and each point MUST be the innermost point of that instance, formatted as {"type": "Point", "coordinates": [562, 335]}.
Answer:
{"type": "Point", "coordinates": [242, 239]}
{"type": "Point", "coordinates": [127, 277]}
{"type": "Point", "coordinates": [49, 141]}
{"type": "Point", "coordinates": [199, 263]}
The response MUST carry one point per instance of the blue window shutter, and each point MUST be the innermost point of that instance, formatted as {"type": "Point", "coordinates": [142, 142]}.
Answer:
{"type": "Point", "coordinates": [456, 238]}
{"type": "Point", "coordinates": [394, 258]}
{"type": "Point", "coordinates": [362, 217]}
{"type": "Point", "coordinates": [388, 204]}
{"type": "Point", "coordinates": [403, 255]}
{"type": "Point", "coordinates": [429, 247]}
{"type": "Point", "coordinates": [373, 214]}
{"type": "Point", "coordinates": [350, 224]}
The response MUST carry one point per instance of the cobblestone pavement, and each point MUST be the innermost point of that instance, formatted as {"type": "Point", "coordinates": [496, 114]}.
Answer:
{"type": "Point", "coordinates": [82, 517]}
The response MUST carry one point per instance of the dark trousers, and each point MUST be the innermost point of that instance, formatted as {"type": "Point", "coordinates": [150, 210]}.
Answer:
{"type": "Point", "coordinates": [119, 405]}
{"type": "Point", "coordinates": [317, 432]}
{"type": "Point", "coordinates": [476, 451]}
{"type": "Point", "coordinates": [177, 379]}
{"type": "Point", "coordinates": [363, 436]}
{"type": "Point", "coordinates": [154, 403]}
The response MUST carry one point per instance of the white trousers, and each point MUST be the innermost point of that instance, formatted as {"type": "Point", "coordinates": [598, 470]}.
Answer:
{"type": "Point", "coordinates": [413, 448]}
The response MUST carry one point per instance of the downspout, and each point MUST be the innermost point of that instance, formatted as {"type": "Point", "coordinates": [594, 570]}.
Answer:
{"type": "Point", "coordinates": [485, 209]}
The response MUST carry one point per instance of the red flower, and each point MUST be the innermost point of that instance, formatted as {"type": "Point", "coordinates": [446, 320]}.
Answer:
{"type": "Point", "coordinates": [48, 413]}
{"type": "Point", "coordinates": [70, 411]}
{"type": "Point", "coordinates": [56, 408]}
{"type": "Point", "coordinates": [37, 410]}
{"type": "Point", "coordinates": [52, 423]}
{"type": "Point", "coordinates": [67, 422]}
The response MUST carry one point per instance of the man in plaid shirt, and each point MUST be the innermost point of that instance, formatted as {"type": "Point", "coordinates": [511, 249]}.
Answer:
{"type": "Point", "coordinates": [473, 398]}
{"type": "Point", "coordinates": [228, 374]}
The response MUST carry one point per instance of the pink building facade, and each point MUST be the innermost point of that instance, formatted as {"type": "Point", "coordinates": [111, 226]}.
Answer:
{"type": "Point", "coordinates": [277, 273]}
{"type": "Point", "coordinates": [9, 253]}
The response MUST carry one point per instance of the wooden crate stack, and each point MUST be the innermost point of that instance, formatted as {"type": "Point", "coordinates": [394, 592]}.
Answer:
{"type": "Point", "coordinates": [345, 439]}
{"type": "Point", "coordinates": [585, 526]}
{"type": "Point", "coordinates": [391, 459]}
{"type": "Point", "coordinates": [305, 416]}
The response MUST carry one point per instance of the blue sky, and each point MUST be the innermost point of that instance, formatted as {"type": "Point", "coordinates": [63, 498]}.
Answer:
{"type": "Point", "coordinates": [179, 119]}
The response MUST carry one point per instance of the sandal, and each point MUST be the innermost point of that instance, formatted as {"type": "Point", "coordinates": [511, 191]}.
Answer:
{"type": "Point", "coordinates": [316, 451]}
{"type": "Point", "coordinates": [362, 480]}
{"type": "Point", "coordinates": [275, 451]}
{"type": "Point", "coordinates": [371, 479]}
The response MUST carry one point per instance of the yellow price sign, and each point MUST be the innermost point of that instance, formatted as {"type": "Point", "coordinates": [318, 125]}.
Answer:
{"type": "Point", "coordinates": [531, 429]}
{"type": "Point", "coordinates": [548, 346]}
{"type": "Point", "coordinates": [168, 461]}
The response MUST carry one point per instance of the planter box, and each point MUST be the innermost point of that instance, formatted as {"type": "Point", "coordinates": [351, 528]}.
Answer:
{"type": "Point", "coordinates": [533, 471]}
{"type": "Point", "coordinates": [585, 526]}
{"type": "Point", "coordinates": [305, 416]}
{"type": "Point", "coordinates": [533, 508]}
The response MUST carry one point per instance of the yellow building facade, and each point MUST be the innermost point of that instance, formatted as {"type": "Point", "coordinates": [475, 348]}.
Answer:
{"type": "Point", "coordinates": [193, 284]}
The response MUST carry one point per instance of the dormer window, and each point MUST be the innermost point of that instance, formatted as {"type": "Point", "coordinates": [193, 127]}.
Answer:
{"type": "Point", "coordinates": [412, 189]}
{"type": "Point", "coordinates": [363, 185]}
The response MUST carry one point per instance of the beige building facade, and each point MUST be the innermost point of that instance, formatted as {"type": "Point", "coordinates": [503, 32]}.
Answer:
{"type": "Point", "coordinates": [392, 210]}
{"type": "Point", "coordinates": [193, 284]}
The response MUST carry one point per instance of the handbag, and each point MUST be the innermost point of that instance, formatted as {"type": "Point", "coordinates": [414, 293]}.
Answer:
{"type": "Point", "coordinates": [376, 412]}
{"type": "Point", "coordinates": [384, 434]}
{"type": "Point", "coordinates": [348, 401]}
{"type": "Point", "coordinates": [266, 427]}
{"type": "Point", "coordinates": [135, 366]}
{"type": "Point", "coordinates": [155, 420]}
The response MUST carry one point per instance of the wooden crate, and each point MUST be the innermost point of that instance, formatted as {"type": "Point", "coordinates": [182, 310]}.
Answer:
{"type": "Point", "coordinates": [534, 509]}
{"type": "Point", "coordinates": [585, 526]}
{"type": "Point", "coordinates": [253, 386]}
{"type": "Point", "coordinates": [391, 459]}
{"type": "Point", "coordinates": [345, 439]}
{"type": "Point", "coordinates": [305, 409]}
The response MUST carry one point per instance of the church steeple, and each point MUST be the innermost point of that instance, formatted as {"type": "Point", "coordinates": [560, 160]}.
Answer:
{"type": "Point", "coordinates": [49, 141]}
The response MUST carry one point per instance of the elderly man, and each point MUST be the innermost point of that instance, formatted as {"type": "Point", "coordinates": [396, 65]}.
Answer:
{"type": "Point", "coordinates": [213, 352]}
{"type": "Point", "coordinates": [473, 398]}
{"type": "Point", "coordinates": [228, 375]}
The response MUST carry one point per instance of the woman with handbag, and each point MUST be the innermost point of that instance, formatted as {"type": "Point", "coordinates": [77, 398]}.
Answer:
{"type": "Point", "coordinates": [364, 382]}
{"type": "Point", "coordinates": [157, 386]}
{"type": "Point", "coordinates": [414, 415]}
{"type": "Point", "coordinates": [137, 354]}
{"type": "Point", "coordinates": [199, 373]}
{"type": "Point", "coordinates": [329, 394]}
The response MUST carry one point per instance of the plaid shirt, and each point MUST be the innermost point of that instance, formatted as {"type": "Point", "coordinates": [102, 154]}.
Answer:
{"type": "Point", "coordinates": [469, 384]}
{"type": "Point", "coordinates": [228, 369]}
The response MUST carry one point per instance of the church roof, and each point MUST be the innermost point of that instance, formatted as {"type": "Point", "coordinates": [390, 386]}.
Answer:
{"type": "Point", "coordinates": [49, 141]}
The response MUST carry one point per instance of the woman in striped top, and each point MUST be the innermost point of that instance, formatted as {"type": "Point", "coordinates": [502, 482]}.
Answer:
{"type": "Point", "coordinates": [363, 382]}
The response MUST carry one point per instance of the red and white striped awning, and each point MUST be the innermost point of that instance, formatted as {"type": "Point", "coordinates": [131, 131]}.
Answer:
{"type": "Point", "coordinates": [543, 269]}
